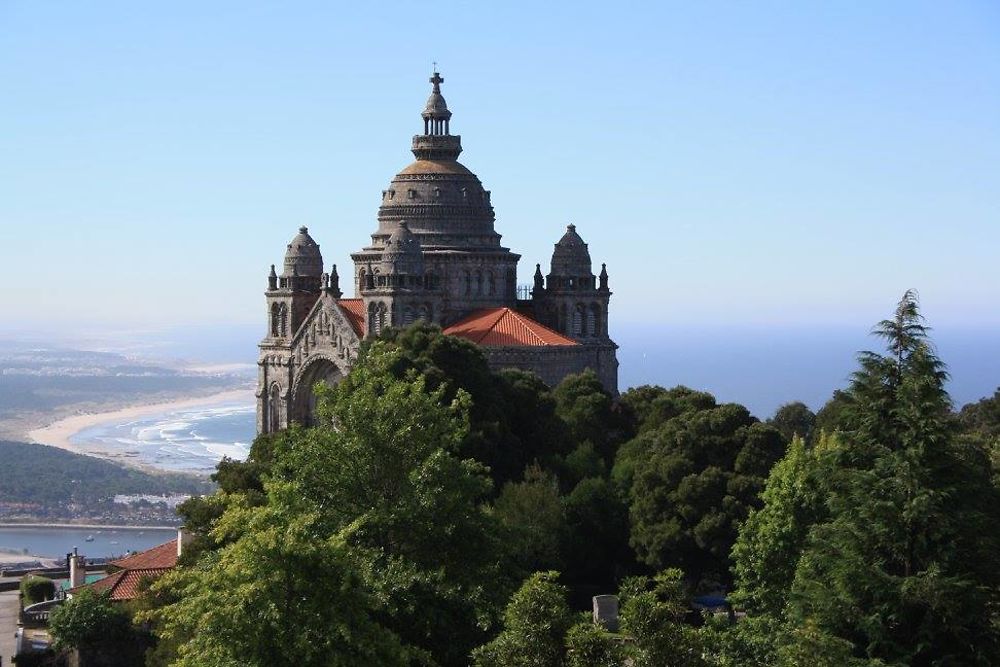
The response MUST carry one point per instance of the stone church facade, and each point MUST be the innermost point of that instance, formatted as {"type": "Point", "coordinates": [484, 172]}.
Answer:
{"type": "Point", "coordinates": [434, 257]}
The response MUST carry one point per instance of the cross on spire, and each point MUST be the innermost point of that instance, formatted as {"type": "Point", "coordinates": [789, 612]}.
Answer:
{"type": "Point", "coordinates": [437, 80]}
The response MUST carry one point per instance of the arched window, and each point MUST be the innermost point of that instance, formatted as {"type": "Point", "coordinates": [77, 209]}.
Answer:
{"type": "Point", "coordinates": [425, 313]}
{"type": "Point", "coordinates": [492, 282]}
{"type": "Point", "coordinates": [274, 409]}
{"type": "Point", "coordinates": [479, 282]}
{"type": "Point", "coordinates": [283, 320]}
{"type": "Point", "coordinates": [468, 283]}
{"type": "Point", "coordinates": [578, 319]}
{"type": "Point", "coordinates": [381, 318]}
{"type": "Point", "coordinates": [275, 320]}
{"type": "Point", "coordinates": [593, 320]}
{"type": "Point", "coordinates": [372, 318]}
{"type": "Point", "coordinates": [408, 316]}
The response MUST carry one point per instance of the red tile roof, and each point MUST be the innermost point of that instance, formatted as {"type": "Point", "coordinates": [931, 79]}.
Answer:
{"type": "Point", "coordinates": [503, 327]}
{"type": "Point", "coordinates": [354, 310]}
{"type": "Point", "coordinates": [127, 584]}
{"type": "Point", "coordinates": [145, 565]}
{"type": "Point", "coordinates": [162, 556]}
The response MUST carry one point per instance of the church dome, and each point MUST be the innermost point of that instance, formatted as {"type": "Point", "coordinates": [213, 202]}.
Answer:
{"type": "Point", "coordinates": [303, 257]}
{"type": "Point", "coordinates": [571, 256]}
{"type": "Point", "coordinates": [402, 254]}
{"type": "Point", "coordinates": [443, 202]}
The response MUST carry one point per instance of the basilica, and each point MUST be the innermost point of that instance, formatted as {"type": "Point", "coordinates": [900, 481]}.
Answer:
{"type": "Point", "coordinates": [437, 257]}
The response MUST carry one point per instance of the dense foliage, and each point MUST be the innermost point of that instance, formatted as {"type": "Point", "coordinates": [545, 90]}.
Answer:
{"type": "Point", "coordinates": [88, 620]}
{"type": "Point", "coordinates": [879, 549]}
{"type": "Point", "coordinates": [442, 513]}
{"type": "Point", "coordinates": [691, 475]}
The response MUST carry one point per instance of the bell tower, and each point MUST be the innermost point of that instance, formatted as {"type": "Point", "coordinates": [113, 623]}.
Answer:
{"type": "Point", "coordinates": [572, 301]}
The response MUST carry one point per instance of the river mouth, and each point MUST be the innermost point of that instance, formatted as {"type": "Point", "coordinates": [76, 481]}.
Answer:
{"type": "Point", "coordinates": [55, 541]}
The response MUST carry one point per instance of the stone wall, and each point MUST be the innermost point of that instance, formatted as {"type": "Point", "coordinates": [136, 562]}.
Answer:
{"type": "Point", "coordinates": [555, 362]}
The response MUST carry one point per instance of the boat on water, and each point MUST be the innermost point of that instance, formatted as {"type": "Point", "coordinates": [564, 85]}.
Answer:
{"type": "Point", "coordinates": [89, 538]}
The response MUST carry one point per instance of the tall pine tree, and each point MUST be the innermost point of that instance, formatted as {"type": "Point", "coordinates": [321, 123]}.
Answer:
{"type": "Point", "coordinates": [905, 570]}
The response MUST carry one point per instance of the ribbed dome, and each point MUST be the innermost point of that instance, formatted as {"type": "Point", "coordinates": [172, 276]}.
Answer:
{"type": "Point", "coordinates": [402, 254]}
{"type": "Point", "coordinates": [444, 203]}
{"type": "Point", "coordinates": [303, 257]}
{"type": "Point", "coordinates": [436, 107]}
{"type": "Point", "coordinates": [571, 256]}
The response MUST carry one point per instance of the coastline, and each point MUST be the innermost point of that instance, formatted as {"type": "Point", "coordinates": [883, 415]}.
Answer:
{"type": "Point", "coordinates": [59, 433]}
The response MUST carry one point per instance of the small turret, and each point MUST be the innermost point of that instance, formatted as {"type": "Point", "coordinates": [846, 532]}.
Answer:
{"type": "Point", "coordinates": [402, 259]}
{"type": "Point", "coordinates": [303, 257]}
{"type": "Point", "coordinates": [335, 283]}
{"type": "Point", "coordinates": [604, 278]}
{"type": "Point", "coordinates": [539, 278]}
{"type": "Point", "coordinates": [272, 280]}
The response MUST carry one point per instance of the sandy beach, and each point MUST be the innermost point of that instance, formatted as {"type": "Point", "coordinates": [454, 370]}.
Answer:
{"type": "Point", "coordinates": [59, 433]}
{"type": "Point", "coordinates": [12, 559]}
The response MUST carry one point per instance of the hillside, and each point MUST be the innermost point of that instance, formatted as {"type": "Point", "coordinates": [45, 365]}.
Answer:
{"type": "Point", "coordinates": [46, 483]}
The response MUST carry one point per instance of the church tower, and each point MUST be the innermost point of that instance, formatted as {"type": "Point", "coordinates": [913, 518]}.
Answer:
{"type": "Point", "coordinates": [573, 300]}
{"type": "Point", "coordinates": [291, 295]}
{"type": "Point", "coordinates": [395, 290]}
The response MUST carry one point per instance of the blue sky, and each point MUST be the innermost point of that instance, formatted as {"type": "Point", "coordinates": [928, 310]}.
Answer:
{"type": "Point", "coordinates": [765, 164]}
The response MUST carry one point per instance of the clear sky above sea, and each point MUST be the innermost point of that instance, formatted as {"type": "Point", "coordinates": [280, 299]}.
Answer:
{"type": "Point", "coordinates": [767, 163]}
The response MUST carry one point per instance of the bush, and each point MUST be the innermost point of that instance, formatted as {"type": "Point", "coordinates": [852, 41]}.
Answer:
{"type": "Point", "coordinates": [88, 620]}
{"type": "Point", "coordinates": [35, 588]}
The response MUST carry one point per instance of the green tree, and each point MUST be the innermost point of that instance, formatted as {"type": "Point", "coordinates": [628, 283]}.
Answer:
{"type": "Point", "coordinates": [793, 419]}
{"type": "Point", "coordinates": [535, 624]}
{"type": "Point", "coordinates": [388, 516]}
{"type": "Point", "coordinates": [691, 482]}
{"type": "Point", "coordinates": [36, 588]}
{"type": "Point", "coordinates": [652, 616]}
{"type": "Point", "coordinates": [831, 417]}
{"type": "Point", "coordinates": [88, 621]}
{"type": "Point", "coordinates": [982, 418]}
{"type": "Point", "coordinates": [279, 593]}
{"type": "Point", "coordinates": [590, 415]}
{"type": "Point", "coordinates": [651, 406]}
{"type": "Point", "coordinates": [512, 414]}
{"type": "Point", "coordinates": [904, 571]}
{"type": "Point", "coordinates": [595, 549]}
{"type": "Point", "coordinates": [532, 513]}
{"type": "Point", "coordinates": [391, 466]}
{"type": "Point", "coordinates": [589, 645]}
{"type": "Point", "coordinates": [767, 550]}
{"type": "Point", "coordinates": [770, 540]}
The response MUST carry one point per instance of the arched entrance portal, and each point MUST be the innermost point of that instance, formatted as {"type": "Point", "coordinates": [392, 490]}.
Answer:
{"type": "Point", "coordinates": [304, 399]}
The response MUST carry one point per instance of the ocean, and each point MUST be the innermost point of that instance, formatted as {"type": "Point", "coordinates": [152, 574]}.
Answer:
{"type": "Point", "coordinates": [57, 541]}
{"type": "Point", "coordinates": [191, 440]}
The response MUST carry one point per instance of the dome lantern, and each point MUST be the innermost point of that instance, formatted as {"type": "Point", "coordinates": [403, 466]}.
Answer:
{"type": "Point", "coordinates": [437, 142]}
